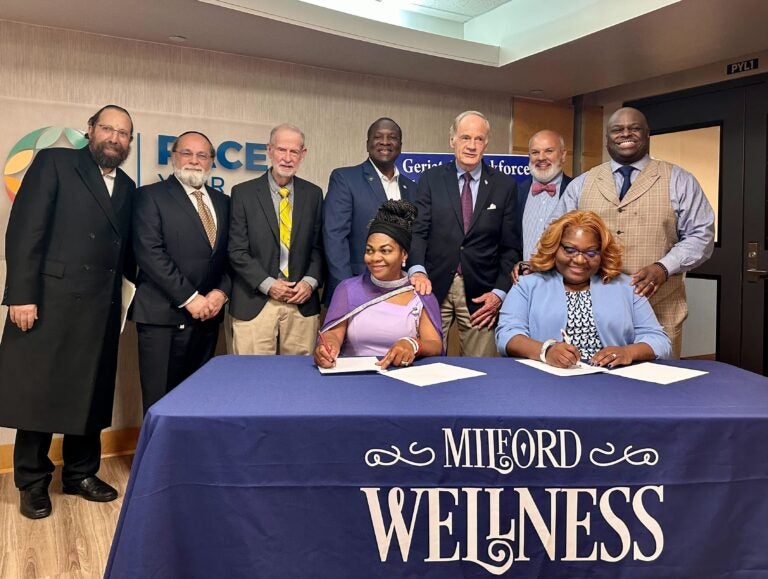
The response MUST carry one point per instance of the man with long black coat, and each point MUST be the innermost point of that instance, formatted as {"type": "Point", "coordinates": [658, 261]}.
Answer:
{"type": "Point", "coordinates": [66, 246]}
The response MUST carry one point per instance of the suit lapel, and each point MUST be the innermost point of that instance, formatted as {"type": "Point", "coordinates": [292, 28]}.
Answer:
{"type": "Point", "coordinates": [483, 191]}
{"type": "Point", "coordinates": [119, 193]}
{"type": "Point", "coordinates": [405, 190]}
{"type": "Point", "coordinates": [642, 184]}
{"type": "Point", "coordinates": [179, 195]}
{"type": "Point", "coordinates": [297, 211]}
{"type": "Point", "coordinates": [264, 198]}
{"type": "Point", "coordinates": [91, 175]}
{"type": "Point", "coordinates": [374, 182]}
{"type": "Point", "coordinates": [606, 185]}
{"type": "Point", "coordinates": [221, 216]}
{"type": "Point", "coordinates": [452, 187]}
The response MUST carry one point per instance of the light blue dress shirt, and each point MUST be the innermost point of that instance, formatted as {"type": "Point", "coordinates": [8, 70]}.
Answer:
{"type": "Point", "coordinates": [537, 216]}
{"type": "Point", "coordinates": [695, 217]}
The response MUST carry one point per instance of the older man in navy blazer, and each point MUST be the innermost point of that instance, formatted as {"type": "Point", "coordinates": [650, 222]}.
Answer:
{"type": "Point", "coordinates": [354, 195]}
{"type": "Point", "coordinates": [465, 238]}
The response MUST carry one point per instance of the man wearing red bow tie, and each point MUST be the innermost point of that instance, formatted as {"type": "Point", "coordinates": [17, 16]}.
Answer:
{"type": "Point", "coordinates": [538, 196]}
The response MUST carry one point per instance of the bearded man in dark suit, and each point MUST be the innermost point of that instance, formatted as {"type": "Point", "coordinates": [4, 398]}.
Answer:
{"type": "Point", "coordinates": [181, 229]}
{"type": "Point", "coordinates": [66, 246]}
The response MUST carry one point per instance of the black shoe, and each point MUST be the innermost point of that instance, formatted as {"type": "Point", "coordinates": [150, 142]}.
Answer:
{"type": "Point", "coordinates": [35, 503]}
{"type": "Point", "coordinates": [91, 488]}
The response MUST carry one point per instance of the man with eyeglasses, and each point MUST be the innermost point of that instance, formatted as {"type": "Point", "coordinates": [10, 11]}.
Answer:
{"type": "Point", "coordinates": [656, 209]}
{"type": "Point", "coordinates": [538, 195]}
{"type": "Point", "coordinates": [181, 231]}
{"type": "Point", "coordinates": [67, 246]}
{"type": "Point", "coordinates": [465, 238]}
{"type": "Point", "coordinates": [275, 249]}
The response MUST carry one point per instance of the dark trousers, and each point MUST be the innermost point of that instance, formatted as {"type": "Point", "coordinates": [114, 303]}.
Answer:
{"type": "Point", "coordinates": [32, 467]}
{"type": "Point", "coordinates": [168, 355]}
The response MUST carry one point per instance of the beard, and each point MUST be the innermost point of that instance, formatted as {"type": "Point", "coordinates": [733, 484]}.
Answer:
{"type": "Point", "coordinates": [112, 159]}
{"type": "Point", "coordinates": [546, 175]}
{"type": "Point", "coordinates": [195, 178]}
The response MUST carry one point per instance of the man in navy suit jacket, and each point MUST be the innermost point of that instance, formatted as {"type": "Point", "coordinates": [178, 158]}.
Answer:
{"type": "Point", "coordinates": [538, 195]}
{"type": "Point", "coordinates": [183, 280]}
{"type": "Point", "coordinates": [465, 239]}
{"type": "Point", "coordinates": [354, 195]}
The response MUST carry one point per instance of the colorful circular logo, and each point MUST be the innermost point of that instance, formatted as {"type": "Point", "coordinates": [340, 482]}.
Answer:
{"type": "Point", "coordinates": [22, 153]}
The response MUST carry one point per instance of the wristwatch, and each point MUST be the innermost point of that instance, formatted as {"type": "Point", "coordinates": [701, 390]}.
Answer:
{"type": "Point", "coordinates": [544, 347]}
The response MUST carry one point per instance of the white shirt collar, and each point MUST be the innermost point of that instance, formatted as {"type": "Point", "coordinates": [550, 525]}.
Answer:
{"type": "Point", "coordinates": [381, 175]}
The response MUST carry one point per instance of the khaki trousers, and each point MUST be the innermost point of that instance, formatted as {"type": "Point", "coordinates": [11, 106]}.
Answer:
{"type": "Point", "coordinates": [278, 329]}
{"type": "Point", "coordinates": [477, 342]}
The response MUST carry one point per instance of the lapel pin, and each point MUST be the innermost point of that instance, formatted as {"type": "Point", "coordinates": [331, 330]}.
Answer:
{"type": "Point", "coordinates": [485, 181]}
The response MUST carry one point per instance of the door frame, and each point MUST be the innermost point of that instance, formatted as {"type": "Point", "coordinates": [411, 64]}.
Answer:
{"type": "Point", "coordinates": [733, 106]}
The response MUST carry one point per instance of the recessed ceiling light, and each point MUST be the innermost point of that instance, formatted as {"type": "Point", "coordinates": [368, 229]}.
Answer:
{"type": "Point", "coordinates": [536, 92]}
{"type": "Point", "coordinates": [177, 38]}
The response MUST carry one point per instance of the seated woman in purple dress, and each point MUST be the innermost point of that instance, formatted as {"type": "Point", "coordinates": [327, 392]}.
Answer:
{"type": "Point", "coordinates": [378, 313]}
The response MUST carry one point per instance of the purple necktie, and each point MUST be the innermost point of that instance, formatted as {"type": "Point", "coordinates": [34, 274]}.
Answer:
{"type": "Point", "coordinates": [466, 202]}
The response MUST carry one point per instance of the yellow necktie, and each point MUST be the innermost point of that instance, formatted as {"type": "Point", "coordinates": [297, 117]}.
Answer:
{"type": "Point", "coordinates": [285, 222]}
{"type": "Point", "coordinates": [205, 216]}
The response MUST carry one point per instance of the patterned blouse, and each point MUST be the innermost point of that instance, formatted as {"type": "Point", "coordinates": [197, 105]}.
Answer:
{"type": "Point", "coordinates": [581, 324]}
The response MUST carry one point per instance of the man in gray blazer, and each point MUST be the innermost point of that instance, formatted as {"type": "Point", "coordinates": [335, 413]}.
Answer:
{"type": "Point", "coordinates": [275, 250]}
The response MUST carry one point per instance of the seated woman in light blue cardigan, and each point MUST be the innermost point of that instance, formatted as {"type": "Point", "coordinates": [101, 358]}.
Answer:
{"type": "Point", "coordinates": [577, 305]}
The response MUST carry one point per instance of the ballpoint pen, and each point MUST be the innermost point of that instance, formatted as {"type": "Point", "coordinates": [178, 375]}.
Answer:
{"type": "Point", "coordinates": [567, 340]}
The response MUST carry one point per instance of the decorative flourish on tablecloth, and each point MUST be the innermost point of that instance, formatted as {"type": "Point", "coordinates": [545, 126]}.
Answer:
{"type": "Point", "coordinates": [649, 456]}
{"type": "Point", "coordinates": [376, 456]}
{"type": "Point", "coordinates": [501, 551]}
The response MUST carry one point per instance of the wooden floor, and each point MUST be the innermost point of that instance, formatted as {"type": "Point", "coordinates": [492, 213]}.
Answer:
{"type": "Point", "coordinates": [72, 543]}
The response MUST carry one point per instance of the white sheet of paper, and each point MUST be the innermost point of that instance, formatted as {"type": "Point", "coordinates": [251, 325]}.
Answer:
{"type": "Point", "coordinates": [128, 290]}
{"type": "Point", "coordinates": [429, 374]}
{"type": "Point", "coordinates": [658, 373]}
{"type": "Point", "coordinates": [352, 364]}
{"type": "Point", "coordinates": [647, 371]}
{"type": "Point", "coordinates": [579, 370]}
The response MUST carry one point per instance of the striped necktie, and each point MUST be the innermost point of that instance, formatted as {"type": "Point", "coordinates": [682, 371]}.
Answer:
{"type": "Point", "coordinates": [205, 216]}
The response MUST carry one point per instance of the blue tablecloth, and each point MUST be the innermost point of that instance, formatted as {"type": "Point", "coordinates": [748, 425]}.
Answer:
{"type": "Point", "coordinates": [261, 467]}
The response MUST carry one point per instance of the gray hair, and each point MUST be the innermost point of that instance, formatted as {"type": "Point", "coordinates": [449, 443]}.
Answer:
{"type": "Point", "coordinates": [558, 135]}
{"type": "Point", "coordinates": [286, 127]}
{"type": "Point", "coordinates": [462, 116]}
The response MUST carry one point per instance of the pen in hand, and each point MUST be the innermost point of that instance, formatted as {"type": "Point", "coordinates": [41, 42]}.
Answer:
{"type": "Point", "coordinates": [567, 340]}
{"type": "Point", "coordinates": [327, 347]}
